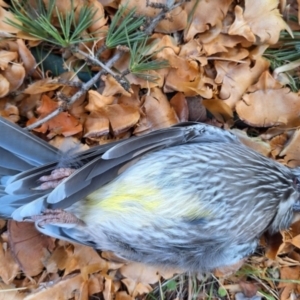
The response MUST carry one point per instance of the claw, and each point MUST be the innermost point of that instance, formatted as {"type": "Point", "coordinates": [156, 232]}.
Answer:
{"type": "Point", "coordinates": [53, 180]}
{"type": "Point", "coordinates": [56, 216]}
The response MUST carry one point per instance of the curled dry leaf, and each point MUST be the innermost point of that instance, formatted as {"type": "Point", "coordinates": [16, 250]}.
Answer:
{"type": "Point", "coordinates": [4, 86]}
{"type": "Point", "coordinates": [138, 278]}
{"type": "Point", "coordinates": [96, 125]}
{"type": "Point", "coordinates": [27, 58]}
{"type": "Point", "coordinates": [273, 245]}
{"type": "Point", "coordinates": [176, 20]}
{"type": "Point", "coordinates": [99, 19]}
{"type": "Point", "coordinates": [113, 87]}
{"type": "Point", "coordinates": [256, 144]}
{"type": "Point", "coordinates": [64, 123]}
{"type": "Point", "coordinates": [259, 19]}
{"type": "Point", "coordinates": [266, 108]}
{"type": "Point", "coordinates": [29, 247]}
{"type": "Point", "coordinates": [9, 267]}
{"type": "Point", "coordinates": [236, 78]}
{"type": "Point", "coordinates": [277, 144]}
{"type": "Point", "coordinates": [120, 117]}
{"type": "Point", "coordinates": [157, 113]}
{"type": "Point", "coordinates": [123, 296]}
{"type": "Point", "coordinates": [42, 86]}
{"type": "Point", "coordinates": [265, 81]}
{"type": "Point", "coordinates": [196, 110]}
{"type": "Point", "coordinates": [6, 30]}
{"type": "Point", "coordinates": [14, 74]}
{"type": "Point", "coordinates": [97, 101]}
{"type": "Point", "coordinates": [201, 19]}
{"type": "Point", "coordinates": [291, 151]}
{"type": "Point", "coordinates": [287, 276]}
{"type": "Point", "coordinates": [130, 116]}
{"type": "Point", "coordinates": [221, 43]}
{"type": "Point", "coordinates": [9, 292]}
{"type": "Point", "coordinates": [6, 57]}
{"type": "Point", "coordinates": [219, 109]}
{"type": "Point", "coordinates": [180, 105]}
{"type": "Point", "coordinates": [191, 81]}
{"type": "Point", "coordinates": [8, 110]}
{"type": "Point", "coordinates": [61, 289]}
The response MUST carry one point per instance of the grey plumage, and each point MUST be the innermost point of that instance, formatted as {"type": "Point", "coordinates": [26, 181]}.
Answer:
{"type": "Point", "coordinates": [191, 196]}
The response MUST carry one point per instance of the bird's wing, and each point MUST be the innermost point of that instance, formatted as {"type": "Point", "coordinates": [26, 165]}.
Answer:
{"type": "Point", "coordinates": [100, 164]}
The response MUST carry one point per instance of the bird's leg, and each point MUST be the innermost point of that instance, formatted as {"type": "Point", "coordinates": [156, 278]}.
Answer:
{"type": "Point", "coordinates": [53, 180]}
{"type": "Point", "coordinates": [56, 216]}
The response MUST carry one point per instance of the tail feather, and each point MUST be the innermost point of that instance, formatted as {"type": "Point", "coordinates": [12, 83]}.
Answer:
{"type": "Point", "coordinates": [25, 145]}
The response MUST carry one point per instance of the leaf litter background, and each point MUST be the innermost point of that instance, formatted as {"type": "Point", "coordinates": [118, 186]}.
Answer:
{"type": "Point", "coordinates": [217, 75]}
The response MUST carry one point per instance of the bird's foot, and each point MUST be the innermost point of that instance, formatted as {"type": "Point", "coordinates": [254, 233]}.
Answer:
{"type": "Point", "coordinates": [56, 216]}
{"type": "Point", "coordinates": [53, 180]}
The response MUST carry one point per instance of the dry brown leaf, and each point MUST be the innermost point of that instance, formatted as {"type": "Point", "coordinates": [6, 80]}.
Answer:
{"type": "Point", "coordinates": [265, 108]}
{"type": "Point", "coordinates": [133, 100]}
{"type": "Point", "coordinates": [123, 296]}
{"type": "Point", "coordinates": [96, 125]}
{"type": "Point", "coordinates": [249, 288]}
{"type": "Point", "coordinates": [95, 284]}
{"type": "Point", "coordinates": [63, 123]}
{"type": "Point", "coordinates": [113, 87]}
{"type": "Point", "coordinates": [60, 289]}
{"type": "Point", "coordinates": [7, 57]}
{"type": "Point", "coordinates": [190, 85]}
{"type": "Point", "coordinates": [122, 117]}
{"type": "Point", "coordinates": [14, 74]}
{"type": "Point", "coordinates": [288, 274]}
{"type": "Point", "coordinates": [42, 86]}
{"type": "Point", "coordinates": [26, 56]}
{"type": "Point", "coordinates": [6, 29]}
{"type": "Point", "coordinates": [9, 292]}
{"type": "Point", "coordinates": [4, 86]}
{"type": "Point", "coordinates": [296, 241]}
{"type": "Point", "coordinates": [201, 19]}
{"type": "Point", "coordinates": [236, 78]}
{"type": "Point", "coordinates": [138, 278]}
{"type": "Point", "coordinates": [266, 81]}
{"type": "Point", "coordinates": [29, 247]}
{"type": "Point", "coordinates": [165, 47]}
{"type": "Point", "coordinates": [177, 18]}
{"type": "Point", "coordinates": [180, 105]}
{"type": "Point", "coordinates": [221, 43]}
{"type": "Point", "coordinates": [256, 144]}
{"type": "Point", "coordinates": [96, 101]}
{"type": "Point", "coordinates": [8, 110]}
{"type": "Point", "coordinates": [99, 19]}
{"type": "Point", "coordinates": [273, 245]}
{"type": "Point", "coordinates": [277, 144]}
{"type": "Point", "coordinates": [197, 111]}
{"type": "Point", "coordinates": [220, 110]}
{"type": "Point", "coordinates": [291, 151]}
{"type": "Point", "coordinates": [72, 257]}
{"type": "Point", "coordinates": [260, 21]}
{"type": "Point", "coordinates": [157, 113]}
{"type": "Point", "coordinates": [9, 268]}
{"type": "Point", "coordinates": [140, 273]}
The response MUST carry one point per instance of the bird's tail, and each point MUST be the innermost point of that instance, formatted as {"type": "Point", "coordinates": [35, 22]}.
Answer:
{"type": "Point", "coordinates": [20, 153]}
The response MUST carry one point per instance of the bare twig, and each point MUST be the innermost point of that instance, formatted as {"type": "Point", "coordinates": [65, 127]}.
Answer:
{"type": "Point", "coordinates": [166, 8]}
{"type": "Point", "coordinates": [95, 61]}
{"type": "Point", "coordinates": [85, 87]}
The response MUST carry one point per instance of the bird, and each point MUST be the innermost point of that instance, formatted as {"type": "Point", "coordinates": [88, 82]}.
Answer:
{"type": "Point", "coordinates": [190, 196]}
